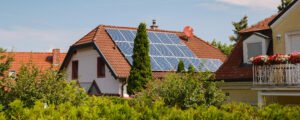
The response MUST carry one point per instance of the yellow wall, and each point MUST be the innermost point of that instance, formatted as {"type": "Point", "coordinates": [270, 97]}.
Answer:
{"type": "Point", "coordinates": [289, 23]}
{"type": "Point", "coordinates": [241, 96]}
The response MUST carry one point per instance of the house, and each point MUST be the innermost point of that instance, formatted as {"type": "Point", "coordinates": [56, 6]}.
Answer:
{"type": "Point", "coordinates": [244, 82]}
{"type": "Point", "coordinates": [43, 60]}
{"type": "Point", "coordinates": [102, 58]}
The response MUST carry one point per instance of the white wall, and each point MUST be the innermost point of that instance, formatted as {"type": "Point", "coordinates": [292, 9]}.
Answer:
{"type": "Point", "coordinates": [87, 71]}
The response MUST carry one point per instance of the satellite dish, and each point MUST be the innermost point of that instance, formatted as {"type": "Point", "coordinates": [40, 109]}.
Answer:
{"type": "Point", "coordinates": [188, 31]}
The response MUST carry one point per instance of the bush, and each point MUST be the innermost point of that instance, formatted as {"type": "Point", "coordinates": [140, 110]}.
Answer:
{"type": "Point", "coordinates": [105, 108]}
{"type": "Point", "coordinates": [184, 90]}
{"type": "Point", "coordinates": [33, 84]}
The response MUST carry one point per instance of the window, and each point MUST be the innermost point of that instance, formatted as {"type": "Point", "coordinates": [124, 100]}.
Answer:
{"type": "Point", "coordinates": [254, 49]}
{"type": "Point", "coordinates": [254, 45]}
{"type": "Point", "coordinates": [100, 67]}
{"type": "Point", "coordinates": [75, 70]}
{"type": "Point", "coordinates": [12, 73]}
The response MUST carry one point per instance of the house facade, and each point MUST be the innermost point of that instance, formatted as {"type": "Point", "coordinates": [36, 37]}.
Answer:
{"type": "Point", "coordinates": [101, 61]}
{"type": "Point", "coordinates": [244, 82]}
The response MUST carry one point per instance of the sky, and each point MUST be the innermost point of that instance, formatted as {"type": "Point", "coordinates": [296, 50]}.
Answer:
{"type": "Point", "coordinates": [39, 25]}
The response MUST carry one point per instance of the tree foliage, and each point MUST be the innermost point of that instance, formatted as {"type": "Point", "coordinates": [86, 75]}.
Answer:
{"type": "Point", "coordinates": [242, 24]}
{"type": "Point", "coordinates": [224, 48]}
{"type": "Point", "coordinates": [186, 90]}
{"type": "Point", "coordinates": [284, 4]}
{"type": "Point", "coordinates": [180, 66]}
{"type": "Point", "coordinates": [33, 84]}
{"type": "Point", "coordinates": [5, 61]}
{"type": "Point", "coordinates": [140, 72]}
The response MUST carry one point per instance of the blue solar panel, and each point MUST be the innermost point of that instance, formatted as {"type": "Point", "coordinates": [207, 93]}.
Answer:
{"type": "Point", "coordinates": [115, 35]}
{"type": "Point", "coordinates": [154, 65]}
{"type": "Point", "coordinates": [186, 62]}
{"type": "Point", "coordinates": [163, 49]}
{"type": "Point", "coordinates": [128, 35]}
{"type": "Point", "coordinates": [174, 38]}
{"type": "Point", "coordinates": [153, 38]}
{"type": "Point", "coordinates": [154, 51]}
{"type": "Point", "coordinates": [165, 66]}
{"type": "Point", "coordinates": [125, 47]}
{"type": "Point", "coordinates": [173, 61]}
{"type": "Point", "coordinates": [175, 50]}
{"type": "Point", "coordinates": [209, 65]}
{"type": "Point", "coordinates": [164, 38]}
{"type": "Point", "coordinates": [129, 58]}
{"type": "Point", "coordinates": [186, 51]}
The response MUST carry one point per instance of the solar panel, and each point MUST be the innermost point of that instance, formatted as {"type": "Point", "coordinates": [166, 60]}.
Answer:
{"type": "Point", "coordinates": [163, 63]}
{"type": "Point", "coordinates": [153, 38]}
{"type": "Point", "coordinates": [166, 49]}
{"type": "Point", "coordinates": [163, 49]}
{"type": "Point", "coordinates": [173, 61]}
{"type": "Point", "coordinates": [154, 65]}
{"type": "Point", "coordinates": [115, 34]}
{"type": "Point", "coordinates": [175, 50]}
{"type": "Point", "coordinates": [125, 47]}
{"type": "Point", "coordinates": [164, 38]}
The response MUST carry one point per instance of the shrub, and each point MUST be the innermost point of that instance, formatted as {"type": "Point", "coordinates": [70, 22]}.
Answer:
{"type": "Point", "coordinates": [184, 90]}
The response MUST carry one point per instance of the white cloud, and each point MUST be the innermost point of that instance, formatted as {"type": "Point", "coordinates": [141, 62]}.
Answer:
{"type": "Point", "coordinates": [254, 4]}
{"type": "Point", "coordinates": [27, 39]}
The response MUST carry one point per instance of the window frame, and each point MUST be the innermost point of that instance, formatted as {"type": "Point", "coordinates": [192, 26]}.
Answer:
{"type": "Point", "coordinates": [100, 63]}
{"type": "Point", "coordinates": [74, 77]}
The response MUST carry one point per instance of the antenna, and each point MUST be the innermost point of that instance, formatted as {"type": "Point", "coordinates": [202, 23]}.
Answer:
{"type": "Point", "coordinates": [188, 31]}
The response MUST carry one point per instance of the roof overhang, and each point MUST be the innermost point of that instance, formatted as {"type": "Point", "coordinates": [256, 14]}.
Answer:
{"type": "Point", "coordinates": [283, 13]}
{"type": "Point", "coordinates": [72, 50]}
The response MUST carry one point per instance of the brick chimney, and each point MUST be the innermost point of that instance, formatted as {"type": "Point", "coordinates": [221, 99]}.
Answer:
{"type": "Point", "coordinates": [154, 26]}
{"type": "Point", "coordinates": [55, 56]}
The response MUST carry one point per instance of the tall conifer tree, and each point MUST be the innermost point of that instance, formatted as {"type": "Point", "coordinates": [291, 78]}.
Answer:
{"type": "Point", "coordinates": [140, 72]}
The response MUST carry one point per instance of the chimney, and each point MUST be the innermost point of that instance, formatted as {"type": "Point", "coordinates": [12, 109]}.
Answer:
{"type": "Point", "coordinates": [56, 56]}
{"type": "Point", "coordinates": [154, 26]}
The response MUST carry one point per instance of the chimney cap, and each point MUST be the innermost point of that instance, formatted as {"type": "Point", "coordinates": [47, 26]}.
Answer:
{"type": "Point", "coordinates": [154, 26]}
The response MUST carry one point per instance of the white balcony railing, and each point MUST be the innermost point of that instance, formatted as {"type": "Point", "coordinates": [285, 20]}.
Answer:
{"type": "Point", "coordinates": [280, 74]}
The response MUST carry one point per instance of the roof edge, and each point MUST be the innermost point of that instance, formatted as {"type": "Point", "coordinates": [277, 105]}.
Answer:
{"type": "Point", "coordinates": [282, 12]}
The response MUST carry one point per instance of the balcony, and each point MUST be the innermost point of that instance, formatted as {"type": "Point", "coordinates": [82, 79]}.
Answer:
{"type": "Point", "coordinates": [276, 75]}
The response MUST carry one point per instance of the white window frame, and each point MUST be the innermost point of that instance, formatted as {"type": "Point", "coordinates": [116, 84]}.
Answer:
{"type": "Point", "coordinates": [288, 37]}
{"type": "Point", "coordinates": [255, 38]}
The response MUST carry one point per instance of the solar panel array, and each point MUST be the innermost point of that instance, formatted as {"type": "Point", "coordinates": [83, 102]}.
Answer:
{"type": "Point", "coordinates": [166, 49]}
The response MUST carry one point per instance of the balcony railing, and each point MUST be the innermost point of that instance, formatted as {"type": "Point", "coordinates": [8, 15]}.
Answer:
{"type": "Point", "coordinates": [278, 75]}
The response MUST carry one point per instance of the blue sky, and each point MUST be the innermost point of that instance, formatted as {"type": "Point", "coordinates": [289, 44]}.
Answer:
{"type": "Point", "coordinates": [38, 26]}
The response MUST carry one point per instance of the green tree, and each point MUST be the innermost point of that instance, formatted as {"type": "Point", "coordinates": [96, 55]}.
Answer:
{"type": "Point", "coordinates": [180, 66]}
{"type": "Point", "coordinates": [284, 4]}
{"type": "Point", "coordinates": [140, 72]}
{"type": "Point", "coordinates": [224, 48]}
{"type": "Point", "coordinates": [33, 84]}
{"type": "Point", "coordinates": [5, 83]}
{"type": "Point", "coordinates": [242, 24]}
{"type": "Point", "coordinates": [191, 69]}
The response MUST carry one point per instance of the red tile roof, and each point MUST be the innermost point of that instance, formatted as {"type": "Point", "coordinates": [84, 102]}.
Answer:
{"type": "Point", "coordinates": [42, 60]}
{"type": "Point", "coordinates": [261, 25]}
{"type": "Point", "coordinates": [119, 63]}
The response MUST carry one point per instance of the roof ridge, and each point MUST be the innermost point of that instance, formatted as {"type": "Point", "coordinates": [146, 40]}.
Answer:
{"type": "Point", "coordinates": [161, 30]}
{"type": "Point", "coordinates": [97, 29]}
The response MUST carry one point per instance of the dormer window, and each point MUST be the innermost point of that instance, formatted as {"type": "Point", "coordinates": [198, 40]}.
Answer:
{"type": "Point", "coordinates": [256, 44]}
